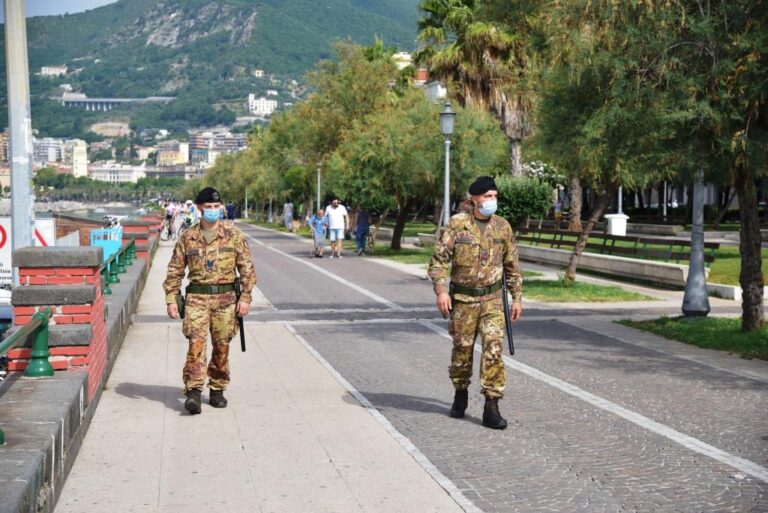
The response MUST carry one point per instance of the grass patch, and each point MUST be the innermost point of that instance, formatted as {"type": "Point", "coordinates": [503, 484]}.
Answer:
{"type": "Point", "coordinates": [413, 229]}
{"type": "Point", "coordinates": [727, 266]}
{"type": "Point", "coordinates": [710, 333]}
{"type": "Point", "coordinates": [556, 291]}
{"type": "Point", "coordinates": [531, 274]}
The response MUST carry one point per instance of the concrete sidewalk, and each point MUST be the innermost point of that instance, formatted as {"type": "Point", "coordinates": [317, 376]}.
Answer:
{"type": "Point", "coordinates": [292, 439]}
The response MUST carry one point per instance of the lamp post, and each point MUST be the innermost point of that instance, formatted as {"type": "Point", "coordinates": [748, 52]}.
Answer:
{"type": "Point", "coordinates": [696, 299]}
{"type": "Point", "coordinates": [447, 118]}
{"type": "Point", "coordinates": [20, 127]}
{"type": "Point", "coordinates": [319, 167]}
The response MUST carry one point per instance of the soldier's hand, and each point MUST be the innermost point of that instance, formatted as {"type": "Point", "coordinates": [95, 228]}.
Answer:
{"type": "Point", "coordinates": [515, 311]}
{"type": "Point", "coordinates": [173, 311]}
{"type": "Point", "coordinates": [243, 309]}
{"type": "Point", "coordinates": [444, 304]}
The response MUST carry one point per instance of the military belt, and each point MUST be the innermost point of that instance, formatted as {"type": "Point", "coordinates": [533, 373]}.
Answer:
{"type": "Point", "coordinates": [475, 291]}
{"type": "Point", "coordinates": [199, 288]}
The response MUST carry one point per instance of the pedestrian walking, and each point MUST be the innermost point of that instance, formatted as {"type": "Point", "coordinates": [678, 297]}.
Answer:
{"type": "Point", "coordinates": [288, 214]}
{"type": "Point", "coordinates": [476, 248]}
{"type": "Point", "coordinates": [318, 223]}
{"type": "Point", "coordinates": [231, 211]}
{"type": "Point", "coordinates": [362, 229]}
{"type": "Point", "coordinates": [338, 224]}
{"type": "Point", "coordinates": [212, 251]}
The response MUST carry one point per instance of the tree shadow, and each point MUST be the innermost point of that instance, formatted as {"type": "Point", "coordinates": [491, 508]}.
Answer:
{"type": "Point", "coordinates": [170, 397]}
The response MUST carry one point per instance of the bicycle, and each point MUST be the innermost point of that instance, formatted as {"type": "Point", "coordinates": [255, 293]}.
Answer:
{"type": "Point", "coordinates": [186, 225]}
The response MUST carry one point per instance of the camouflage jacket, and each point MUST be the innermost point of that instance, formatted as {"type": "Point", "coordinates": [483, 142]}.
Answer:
{"type": "Point", "coordinates": [213, 263]}
{"type": "Point", "coordinates": [476, 260]}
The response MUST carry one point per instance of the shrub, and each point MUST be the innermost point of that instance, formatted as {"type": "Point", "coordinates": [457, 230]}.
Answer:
{"type": "Point", "coordinates": [522, 198]}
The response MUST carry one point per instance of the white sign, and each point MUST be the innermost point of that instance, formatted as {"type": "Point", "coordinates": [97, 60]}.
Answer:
{"type": "Point", "coordinates": [43, 235]}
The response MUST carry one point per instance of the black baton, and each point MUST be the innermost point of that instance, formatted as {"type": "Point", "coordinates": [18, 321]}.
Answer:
{"type": "Point", "coordinates": [507, 320]}
{"type": "Point", "coordinates": [240, 320]}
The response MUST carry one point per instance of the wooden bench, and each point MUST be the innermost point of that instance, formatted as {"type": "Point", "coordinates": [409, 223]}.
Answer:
{"type": "Point", "coordinates": [644, 248]}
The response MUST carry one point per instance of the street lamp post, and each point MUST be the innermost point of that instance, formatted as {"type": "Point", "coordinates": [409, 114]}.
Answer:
{"type": "Point", "coordinates": [696, 299]}
{"type": "Point", "coordinates": [20, 126]}
{"type": "Point", "coordinates": [447, 118]}
{"type": "Point", "coordinates": [319, 168]}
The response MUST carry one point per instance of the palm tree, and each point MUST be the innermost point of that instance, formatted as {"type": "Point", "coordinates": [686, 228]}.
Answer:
{"type": "Point", "coordinates": [485, 61]}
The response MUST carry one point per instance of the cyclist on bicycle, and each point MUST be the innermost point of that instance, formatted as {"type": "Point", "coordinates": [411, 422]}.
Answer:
{"type": "Point", "coordinates": [190, 213]}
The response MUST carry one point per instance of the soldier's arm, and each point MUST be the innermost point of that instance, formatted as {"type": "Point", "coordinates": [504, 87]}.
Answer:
{"type": "Point", "coordinates": [245, 268]}
{"type": "Point", "coordinates": [176, 267]}
{"type": "Point", "coordinates": [439, 266]}
{"type": "Point", "coordinates": [512, 268]}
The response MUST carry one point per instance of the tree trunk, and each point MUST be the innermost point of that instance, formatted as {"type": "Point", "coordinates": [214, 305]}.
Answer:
{"type": "Point", "coordinates": [574, 213]}
{"type": "Point", "coordinates": [402, 218]}
{"type": "Point", "coordinates": [751, 276]}
{"type": "Point", "coordinates": [378, 225]}
{"type": "Point", "coordinates": [602, 203]}
{"type": "Point", "coordinates": [724, 209]}
{"type": "Point", "coordinates": [515, 158]}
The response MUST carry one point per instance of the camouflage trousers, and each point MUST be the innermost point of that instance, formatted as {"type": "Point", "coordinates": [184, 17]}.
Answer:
{"type": "Point", "coordinates": [467, 320]}
{"type": "Point", "coordinates": [214, 314]}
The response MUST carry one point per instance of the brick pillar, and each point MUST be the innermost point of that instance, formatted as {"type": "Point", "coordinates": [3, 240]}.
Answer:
{"type": "Point", "coordinates": [66, 279]}
{"type": "Point", "coordinates": [140, 232]}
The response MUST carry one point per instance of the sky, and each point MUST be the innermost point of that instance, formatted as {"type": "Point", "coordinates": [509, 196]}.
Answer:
{"type": "Point", "coordinates": [48, 7]}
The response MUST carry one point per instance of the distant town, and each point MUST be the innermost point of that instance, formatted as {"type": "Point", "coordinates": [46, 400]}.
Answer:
{"type": "Point", "coordinates": [125, 156]}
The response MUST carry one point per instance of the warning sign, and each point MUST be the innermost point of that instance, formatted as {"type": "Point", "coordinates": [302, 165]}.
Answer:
{"type": "Point", "coordinates": [44, 234]}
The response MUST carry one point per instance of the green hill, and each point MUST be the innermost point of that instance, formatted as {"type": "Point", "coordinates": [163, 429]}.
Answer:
{"type": "Point", "coordinates": [200, 51]}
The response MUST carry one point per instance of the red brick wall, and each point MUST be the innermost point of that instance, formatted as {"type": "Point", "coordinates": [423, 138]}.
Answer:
{"type": "Point", "coordinates": [66, 225]}
{"type": "Point", "coordinates": [92, 357]}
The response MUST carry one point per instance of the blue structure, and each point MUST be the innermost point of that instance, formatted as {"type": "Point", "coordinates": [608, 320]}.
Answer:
{"type": "Point", "coordinates": [109, 239]}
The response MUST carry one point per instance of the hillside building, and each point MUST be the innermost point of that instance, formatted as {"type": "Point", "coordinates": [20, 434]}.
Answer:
{"type": "Point", "coordinates": [75, 155]}
{"type": "Point", "coordinates": [435, 91]}
{"type": "Point", "coordinates": [402, 60]}
{"type": "Point", "coordinates": [258, 73]}
{"type": "Point", "coordinates": [143, 152]}
{"type": "Point", "coordinates": [112, 172]}
{"type": "Point", "coordinates": [47, 150]}
{"type": "Point", "coordinates": [261, 106]}
{"type": "Point", "coordinates": [53, 71]}
{"type": "Point", "coordinates": [4, 148]}
{"type": "Point", "coordinates": [172, 153]}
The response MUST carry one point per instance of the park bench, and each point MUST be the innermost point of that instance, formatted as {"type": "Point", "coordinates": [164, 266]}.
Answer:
{"type": "Point", "coordinates": [654, 260]}
{"type": "Point", "coordinates": [630, 246]}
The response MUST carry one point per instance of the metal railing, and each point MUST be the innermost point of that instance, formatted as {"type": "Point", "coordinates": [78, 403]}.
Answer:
{"type": "Point", "coordinates": [38, 365]}
{"type": "Point", "coordinates": [115, 265]}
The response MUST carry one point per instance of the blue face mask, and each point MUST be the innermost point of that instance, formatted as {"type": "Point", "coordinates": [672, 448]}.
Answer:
{"type": "Point", "coordinates": [211, 214]}
{"type": "Point", "coordinates": [488, 208]}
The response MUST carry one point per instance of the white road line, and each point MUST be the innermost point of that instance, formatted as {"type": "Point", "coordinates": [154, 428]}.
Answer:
{"type": "Point", "coordinates": [689, 442]}
{"type": "Point", "coordinates": [313, 311]}
{"type": "Point", "coordinates": [339, 279]}
{"type": "Point", "coordinates": [403, 440]}
{"type": "Point", "coordinates": [325, 322]}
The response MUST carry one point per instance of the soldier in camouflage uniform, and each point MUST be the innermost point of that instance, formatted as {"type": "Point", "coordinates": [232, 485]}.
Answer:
{"type": "Point", "coordinates": [212, 250]}
{"type": "Point", "coordinates": [476, 248]}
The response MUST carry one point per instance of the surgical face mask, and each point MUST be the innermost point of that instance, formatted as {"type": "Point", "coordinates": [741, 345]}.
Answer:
{"type": "Point", "coordinates": [211, 214]}
{"type": "Point", "coordinates": [488, 208]}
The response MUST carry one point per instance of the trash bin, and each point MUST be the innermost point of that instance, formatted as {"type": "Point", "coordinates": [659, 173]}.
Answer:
{"type": "Point", "coordinates": [617, 224]}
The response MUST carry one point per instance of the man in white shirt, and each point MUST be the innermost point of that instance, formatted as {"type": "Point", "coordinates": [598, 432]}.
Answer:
{"type": "Point", "coordinates": [338, 223]}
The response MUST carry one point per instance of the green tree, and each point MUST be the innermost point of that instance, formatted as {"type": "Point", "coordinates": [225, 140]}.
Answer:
{"type": "Point", "coordinates": [486, 60]}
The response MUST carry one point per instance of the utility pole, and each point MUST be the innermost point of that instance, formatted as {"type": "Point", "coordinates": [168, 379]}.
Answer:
{"type": "Point", "coordinates": [20, 125]}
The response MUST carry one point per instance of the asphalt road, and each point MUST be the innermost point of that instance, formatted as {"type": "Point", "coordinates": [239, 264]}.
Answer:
{"type": "Point", "coordinates": [598, 421]}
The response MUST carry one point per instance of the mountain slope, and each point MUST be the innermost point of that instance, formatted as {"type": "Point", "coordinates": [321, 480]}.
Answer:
{"type": "Point", "coordinates": [204, 49]}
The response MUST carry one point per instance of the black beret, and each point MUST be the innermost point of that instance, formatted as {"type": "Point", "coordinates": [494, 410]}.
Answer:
{"type": "Point", "coordinates": [482, 185]}
{"type": "Point", "coordinates": [208, 195]}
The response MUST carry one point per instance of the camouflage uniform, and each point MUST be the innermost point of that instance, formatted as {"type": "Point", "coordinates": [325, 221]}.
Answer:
{"type": "Point", "coordinates": [476, 260]}
{"type": "Point", "coordinates": [210, 264]}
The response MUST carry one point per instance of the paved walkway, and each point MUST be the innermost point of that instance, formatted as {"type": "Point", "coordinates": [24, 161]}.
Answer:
{"type": "Point", "coordinates": [602, 417]}
{"type": "Point", "coordinates": [292, 440]}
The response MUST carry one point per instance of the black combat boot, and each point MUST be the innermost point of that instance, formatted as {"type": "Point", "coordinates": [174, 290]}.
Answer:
{"type": "Point", "coordinates": [460, 399]}
{"type": "Point", "coordinates": [192, 404]}
{"type": "Point", "coordinates": [491, 416]}
{"type": "Point", "coordinates": [217, 399]}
